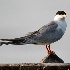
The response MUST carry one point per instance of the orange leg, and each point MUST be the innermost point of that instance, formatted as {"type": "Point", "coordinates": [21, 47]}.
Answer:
{"type": "Point", "coordinates": [49, 50]}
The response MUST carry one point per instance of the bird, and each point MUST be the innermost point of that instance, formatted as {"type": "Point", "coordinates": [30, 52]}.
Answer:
{"type": "Point", "coordinates": [47, 34]}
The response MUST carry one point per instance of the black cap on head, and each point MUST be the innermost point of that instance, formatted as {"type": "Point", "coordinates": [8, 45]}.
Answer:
{"type": "Point", "coordinates": [61, 13]}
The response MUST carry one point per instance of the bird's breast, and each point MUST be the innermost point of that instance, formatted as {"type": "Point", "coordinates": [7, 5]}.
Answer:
{"type": "Point", "coordinates": [62, 25]}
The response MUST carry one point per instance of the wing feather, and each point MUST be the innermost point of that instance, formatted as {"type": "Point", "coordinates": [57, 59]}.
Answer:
{"type": "Point", "coordinates": [49, 27]}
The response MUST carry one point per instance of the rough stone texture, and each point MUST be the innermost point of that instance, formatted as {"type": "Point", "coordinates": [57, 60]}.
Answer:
{"type": "Point", "coordinates": [36, 66]}
{"type": "Point", "coordinates": [52, 58]}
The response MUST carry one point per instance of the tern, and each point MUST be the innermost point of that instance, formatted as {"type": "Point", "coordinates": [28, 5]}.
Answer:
{"type": "Point", "coordinates": [47, 34]}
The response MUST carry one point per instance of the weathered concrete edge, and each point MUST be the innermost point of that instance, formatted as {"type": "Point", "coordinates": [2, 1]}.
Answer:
{"type": "Point", "coordinates": [36, 64]}
{"type": "Point", "coordinates": [56, 64]}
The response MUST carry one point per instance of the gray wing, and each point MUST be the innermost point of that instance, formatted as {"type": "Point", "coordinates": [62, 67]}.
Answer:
{"type": "Point", "coordinates": [49, 27]}
{"type": "Point", "coordinates": [49, 33]}
{"type": "Point", "coordinates": [46, 28]}
{"type": "Point", "coordinates": [35, 36]}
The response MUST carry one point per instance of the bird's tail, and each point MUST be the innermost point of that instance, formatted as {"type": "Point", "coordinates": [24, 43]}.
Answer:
{"type": "Point", "coordinates": [16, 41]}
{"type": "Point", "coordinates": [28, 39]}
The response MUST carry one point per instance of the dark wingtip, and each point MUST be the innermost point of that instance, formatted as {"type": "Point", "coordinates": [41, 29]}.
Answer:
{"type": "Point", "coordinates": [1, 44]}
{"type": "Point", "coordinates": [2, 39]}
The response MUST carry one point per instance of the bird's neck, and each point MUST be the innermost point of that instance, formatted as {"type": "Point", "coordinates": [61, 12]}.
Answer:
{"type": "Point", "coordinates": [59, 18]}
{"type": "Point", "coordinates": [61, 24]}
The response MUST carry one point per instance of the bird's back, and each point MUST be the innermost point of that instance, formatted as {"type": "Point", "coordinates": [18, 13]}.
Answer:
{"type": "Point", "coordinates": [53, 34]}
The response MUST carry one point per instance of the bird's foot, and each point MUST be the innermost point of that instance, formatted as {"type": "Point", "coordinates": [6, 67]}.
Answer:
{"type": "Point", "coordinates": [49, 50]}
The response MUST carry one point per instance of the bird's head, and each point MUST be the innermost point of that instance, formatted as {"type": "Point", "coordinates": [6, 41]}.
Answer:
{"type": "Point", "coordinates": [60, 15]}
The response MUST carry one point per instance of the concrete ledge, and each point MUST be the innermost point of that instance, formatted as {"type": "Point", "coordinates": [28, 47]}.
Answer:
{"type": "Point", "coordinates": [36, 66]}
